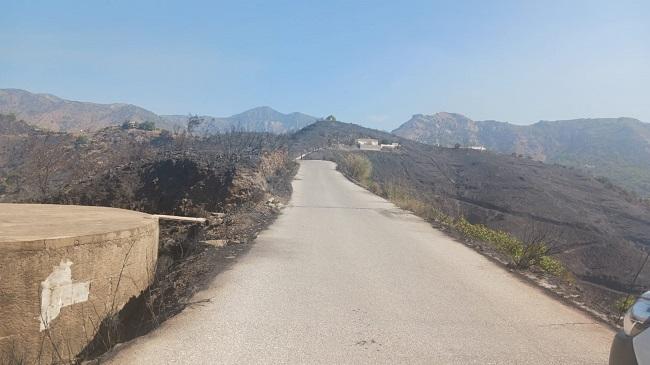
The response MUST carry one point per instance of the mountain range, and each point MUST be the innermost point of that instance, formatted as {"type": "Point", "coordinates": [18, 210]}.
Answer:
{"type": "Point", "coordinates": [615, 148]}
{"type": "Point", "coordinates": [57, 114]}
{"type": "Point", "coordinates": [260, 119]}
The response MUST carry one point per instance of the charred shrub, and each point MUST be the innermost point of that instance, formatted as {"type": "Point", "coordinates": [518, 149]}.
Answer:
{"type": "Point", "coordinates": [182, 186]}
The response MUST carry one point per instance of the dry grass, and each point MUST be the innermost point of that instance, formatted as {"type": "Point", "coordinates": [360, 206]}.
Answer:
{"type": "Point", "coordinates": [356, 166]}
{"type": "Point", "coordinates": [522, 254]}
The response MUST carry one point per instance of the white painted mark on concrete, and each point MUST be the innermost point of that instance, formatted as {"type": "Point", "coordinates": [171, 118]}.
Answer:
{"type": "Point", "coordinates": [58, 291]}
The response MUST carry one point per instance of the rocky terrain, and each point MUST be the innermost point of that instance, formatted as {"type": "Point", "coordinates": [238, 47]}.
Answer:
{"type": "Point", "coordinates": [600, 231]}
{"type": "Point", "coordinates": [60, 115]}
{"type": "Point", "coordinates": [615, 148]}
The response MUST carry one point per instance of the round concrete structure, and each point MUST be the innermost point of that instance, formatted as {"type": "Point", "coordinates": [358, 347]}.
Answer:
{"type": "Point", "coordinates": [63, 269]}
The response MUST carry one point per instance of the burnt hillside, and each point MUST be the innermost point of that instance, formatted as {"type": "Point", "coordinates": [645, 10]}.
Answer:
{"type": "Point", "coordinates": [326, 133]}
{"type": "Point", "coordinates": [10, 125]}
{"type": "Point", "coordinates": [153, 171]}
{"type": "Point", "coordinates": [617, 148]}
{"type": "Point", "coordinates": [602, 231]}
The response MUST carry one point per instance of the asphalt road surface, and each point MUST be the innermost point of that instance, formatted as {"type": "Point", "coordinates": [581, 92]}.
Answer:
{"type": "Point", "coordinates": [345, 277]}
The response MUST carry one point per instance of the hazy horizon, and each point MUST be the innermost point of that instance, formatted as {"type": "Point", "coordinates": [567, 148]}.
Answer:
{"type": "Point", "coordinates": [375, 64]}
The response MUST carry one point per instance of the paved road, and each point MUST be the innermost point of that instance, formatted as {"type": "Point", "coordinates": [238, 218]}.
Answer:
{"type": "Point", "coordinates": [345, 277]}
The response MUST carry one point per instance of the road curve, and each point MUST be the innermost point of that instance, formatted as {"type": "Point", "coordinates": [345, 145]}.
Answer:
{"type": "Point", "coordinates": [344, 276]}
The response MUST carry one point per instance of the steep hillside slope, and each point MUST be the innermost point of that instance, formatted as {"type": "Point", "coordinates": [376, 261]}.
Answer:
{"type": "Point", "coordinates": [11, 126]}
{"type": "Point", "coordinates": [443, 129]}
{"type": "Point", "coordinates": [260, 119]}
{"type": "Point", "coordinates": [51, 112]}
{"type": "Point", "coordinates": [602, 231]}
{"type": "Point", "coordinates": [616, 148]}
{"type": "Point", "coordinates": [326, 133]}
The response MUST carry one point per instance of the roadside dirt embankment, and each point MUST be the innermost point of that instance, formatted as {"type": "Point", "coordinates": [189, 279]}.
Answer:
{"type": "Point", "coordinates": [238, 202]}
{"type": "Point", "coordinates": [237, 181]}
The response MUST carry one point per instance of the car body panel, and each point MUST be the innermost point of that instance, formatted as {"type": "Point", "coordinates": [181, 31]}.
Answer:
{"type": "Point", "coordinates": [622, 352]}
{"type": "Point", "coordinates": [642, 347]}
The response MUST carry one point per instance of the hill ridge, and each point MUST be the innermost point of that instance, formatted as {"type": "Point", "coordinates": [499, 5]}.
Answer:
{"type": "Point", "coordinates": [616, 148]}
{"type": "Point", "coordinates": [58, 114]}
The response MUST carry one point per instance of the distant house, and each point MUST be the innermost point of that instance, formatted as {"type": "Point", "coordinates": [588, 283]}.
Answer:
{"type": "Point", "coordinates": [477, 148]}
{"type": "Point", "coordinates": [129, 124]}
{"type": "Point", "coordinates": [368, 144]}
{"type": "Point", "coordinates": [390, 146]}
{"type": "Point", "coordinates": [368, 141]}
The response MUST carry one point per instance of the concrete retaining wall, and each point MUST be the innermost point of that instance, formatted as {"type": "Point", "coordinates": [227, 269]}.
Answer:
{"type": "Point", "coordinates": [63, 269]}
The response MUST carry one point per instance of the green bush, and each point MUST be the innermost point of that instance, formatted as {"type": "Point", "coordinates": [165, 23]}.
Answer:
{"type": "Point", "coordinates": [147, 126]}
{"type": "Point", "coordinates": [522, 256]}
{"type": "Point", "coordinates": [531, 254]}
{"type": "Point", "coordinates": [503, 241]}
{"type": "Point", "coordinates": [554, 267]}
{"type": "Point", "coordinates": [624, 303]}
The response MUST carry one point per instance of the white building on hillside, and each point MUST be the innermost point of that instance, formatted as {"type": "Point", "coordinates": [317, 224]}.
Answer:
{"type": "Point", "coordinates": [368, 144]}
{"type": "Point", "coordinates": [390, 146]}
{"type": "Point", "coordinates": [477, 148]}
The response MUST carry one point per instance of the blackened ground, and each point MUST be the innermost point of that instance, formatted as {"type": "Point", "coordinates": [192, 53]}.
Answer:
{"type": "Point", "coordinates": [166, 184]}
{"type": "Point", "coordinates": [600, 233]}
{"type": "Point", "coordinates": [190, 256]}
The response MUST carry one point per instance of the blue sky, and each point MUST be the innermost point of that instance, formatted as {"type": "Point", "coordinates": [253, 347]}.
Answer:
{"type": "Point", "coordinates": [372, 62]}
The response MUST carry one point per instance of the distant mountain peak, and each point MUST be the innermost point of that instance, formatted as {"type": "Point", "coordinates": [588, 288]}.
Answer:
{"type": "Point", "coordinates": [262, 119]}
{"type": "Point", "coordinates": [263, 108]}
{"type": "Point", "coordinates": [259, 111]}
{"type": "Point", "coordinates": [266, 111]}
{"type": "Point", "coordinates": [449, 115]}
{"type": "Point", "coordinates": [439, 116]}
{"type": "Point", "coordinates": [446, 115]}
